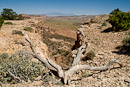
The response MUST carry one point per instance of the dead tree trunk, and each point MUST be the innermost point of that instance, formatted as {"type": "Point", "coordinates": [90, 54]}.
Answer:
{"type": "Point", "coordinates": [66, 75]}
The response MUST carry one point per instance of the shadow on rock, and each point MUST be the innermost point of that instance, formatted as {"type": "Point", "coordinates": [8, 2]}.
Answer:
{"type": "Point", "coordinates": [122, 50]}
{"type": "Point", "coordinates": [107, 30]}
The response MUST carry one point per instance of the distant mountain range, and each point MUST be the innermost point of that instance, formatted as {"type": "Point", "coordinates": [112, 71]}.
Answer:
{"type": "Point", "coordinates": [57, 14]}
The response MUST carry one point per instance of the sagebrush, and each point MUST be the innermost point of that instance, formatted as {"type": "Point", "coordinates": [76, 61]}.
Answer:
{"type": "Point", "coordinates": [20, 66]}
{"type": "Point", "coordinates": [17, 32]}
{"type": "Point", "coordinates": [28, 29]}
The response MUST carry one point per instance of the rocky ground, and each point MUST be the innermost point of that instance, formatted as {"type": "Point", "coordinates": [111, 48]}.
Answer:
{"type": "Point", "coordinates": [9, 42]}
{"type": "Point", "coordinates": [103, 43]}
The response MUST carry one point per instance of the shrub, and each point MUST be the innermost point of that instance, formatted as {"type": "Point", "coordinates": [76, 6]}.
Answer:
{"type": "Point", "coordinates": [17, 32]}
{"type": "Point", "coordinates": [84, 74]}
{"type": "Point", "coordinates": [19, 17]}
{"type": "Point", "coordinates": [116, 11]}
{"type": "Point", "coordinates": [19, 42]}
{"type": "Point", "coordinates": [104, 24]}
{"type": "Point", "coordinates": [90, 55]}
{"type": "Point", "coordinates": [10, 23]}
{"type": "Point", "coordinates": [21, 67]}
{"type": "Point", "coordinates": [1, 21]}
{"type": "Point", "coordinates": [119, 20]}
{"type": "Point", "coordinates": [9, 14]}
{"type": "Point", "coordinates": [59, 83]}
{"type": "Point", "coordinates": [126, 42]}
{"type": "Point", "coordinates": [4, 55]}
{"type": "Point", "coordinates": [28, 29]}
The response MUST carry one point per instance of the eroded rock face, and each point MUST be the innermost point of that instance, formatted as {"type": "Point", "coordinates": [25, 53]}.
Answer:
{"type": "Point", "coordinates": [9, 42]}
{"type": "Point", "coordinates": [77, 42]}
{"type": "Point", "coordinates": [99, 19]}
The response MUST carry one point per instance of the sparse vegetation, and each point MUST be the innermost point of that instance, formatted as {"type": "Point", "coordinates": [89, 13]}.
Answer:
{"type": "Point", "coordinates": [9, 23]}
{"type": "Point", "coordinates": [60, 37]}
{"type": "Point", "coordinates": [104, 24]}
{"type": "Point", "coordinates": [84, 74]}
{"type": "Point", "coordinates": [126, 42]}
{"type": "Point", "coordinates": [21, 69]}
{"type": "Point", "coordinates": [119, 20]}
{"type": "Point", "coordinates": [28, 29]}
{"type": "Point", "coordinates": [53, 46]}
{"type": "Point", "coordinates": [59, 83]}
{"type": "Point", "coordinates": [90, 55]}
{"type": "Point", "coordinates": [1, 21]}
{"type": "Point", "coordinates": [57, 24]}
{"type": "Point", "coordinates": [17, 32]}
{"type": "Point", "coordinates": [15, 41]}
{"type": "Point", "coordinates": [4, 55]}
{"type": "Point", "coordinates": [125, 48]}
{"type": "Point", "coordinates": [19, 42]}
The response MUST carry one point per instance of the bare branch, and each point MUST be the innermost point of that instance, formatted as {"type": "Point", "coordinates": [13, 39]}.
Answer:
{"type": "Point", "coordinates": [1, 84]}
{"type": "Point", "coordinates": [79, 54]}
{"type": "Point", "coordinates": [59, 69]}
{"type": "Point", "coordinates": [82, 32]}
{"type": "Point", "coordinates": [82, 48]}
{"type": "Point", "coordinates": [84, 67]}
{"type": "Point", "coordinates": [83, 36]}
{"type": "Point", "coordinates": [30, 42]}
{"type": "Point", "coordinates": [15, 77]}
{"type": "Point", "coordinates": [37, 53]}
{"type": "Point", "coordinates": [76, 68]}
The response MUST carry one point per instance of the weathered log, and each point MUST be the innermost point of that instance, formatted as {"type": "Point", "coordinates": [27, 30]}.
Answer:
{"type": "Point", "coordinates": [66, 75]}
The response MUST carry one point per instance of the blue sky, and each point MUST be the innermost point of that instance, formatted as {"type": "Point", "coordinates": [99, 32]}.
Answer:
{"type": "Point", "coordinates": [78, 7]}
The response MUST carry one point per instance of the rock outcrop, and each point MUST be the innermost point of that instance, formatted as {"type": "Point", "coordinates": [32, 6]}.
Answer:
{"type": "Point", "coordinates": [9, 42]}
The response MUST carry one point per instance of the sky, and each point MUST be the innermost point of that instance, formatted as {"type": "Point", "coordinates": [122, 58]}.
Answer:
{"type": "Point", "coordinates": [77, 7]}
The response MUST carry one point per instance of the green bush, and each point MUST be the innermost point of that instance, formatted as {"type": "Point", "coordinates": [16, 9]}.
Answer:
{"type": "Point", "coordinates": [9, 14]}
{"type": "Point", "coordinates": [17, 32]}
{"type": "Point", "coordinates": [28, 29]}
{"type": "Point", "coordinates": [119, 20]}
{"type": "Point", "coordinates": [19, 66]}
{"type": "Point", "coordinates": [10, 23]}
{"type": "Point", "coordinates": [1, 21]}
{"type": "Point", "coordinates": [116, 11]}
